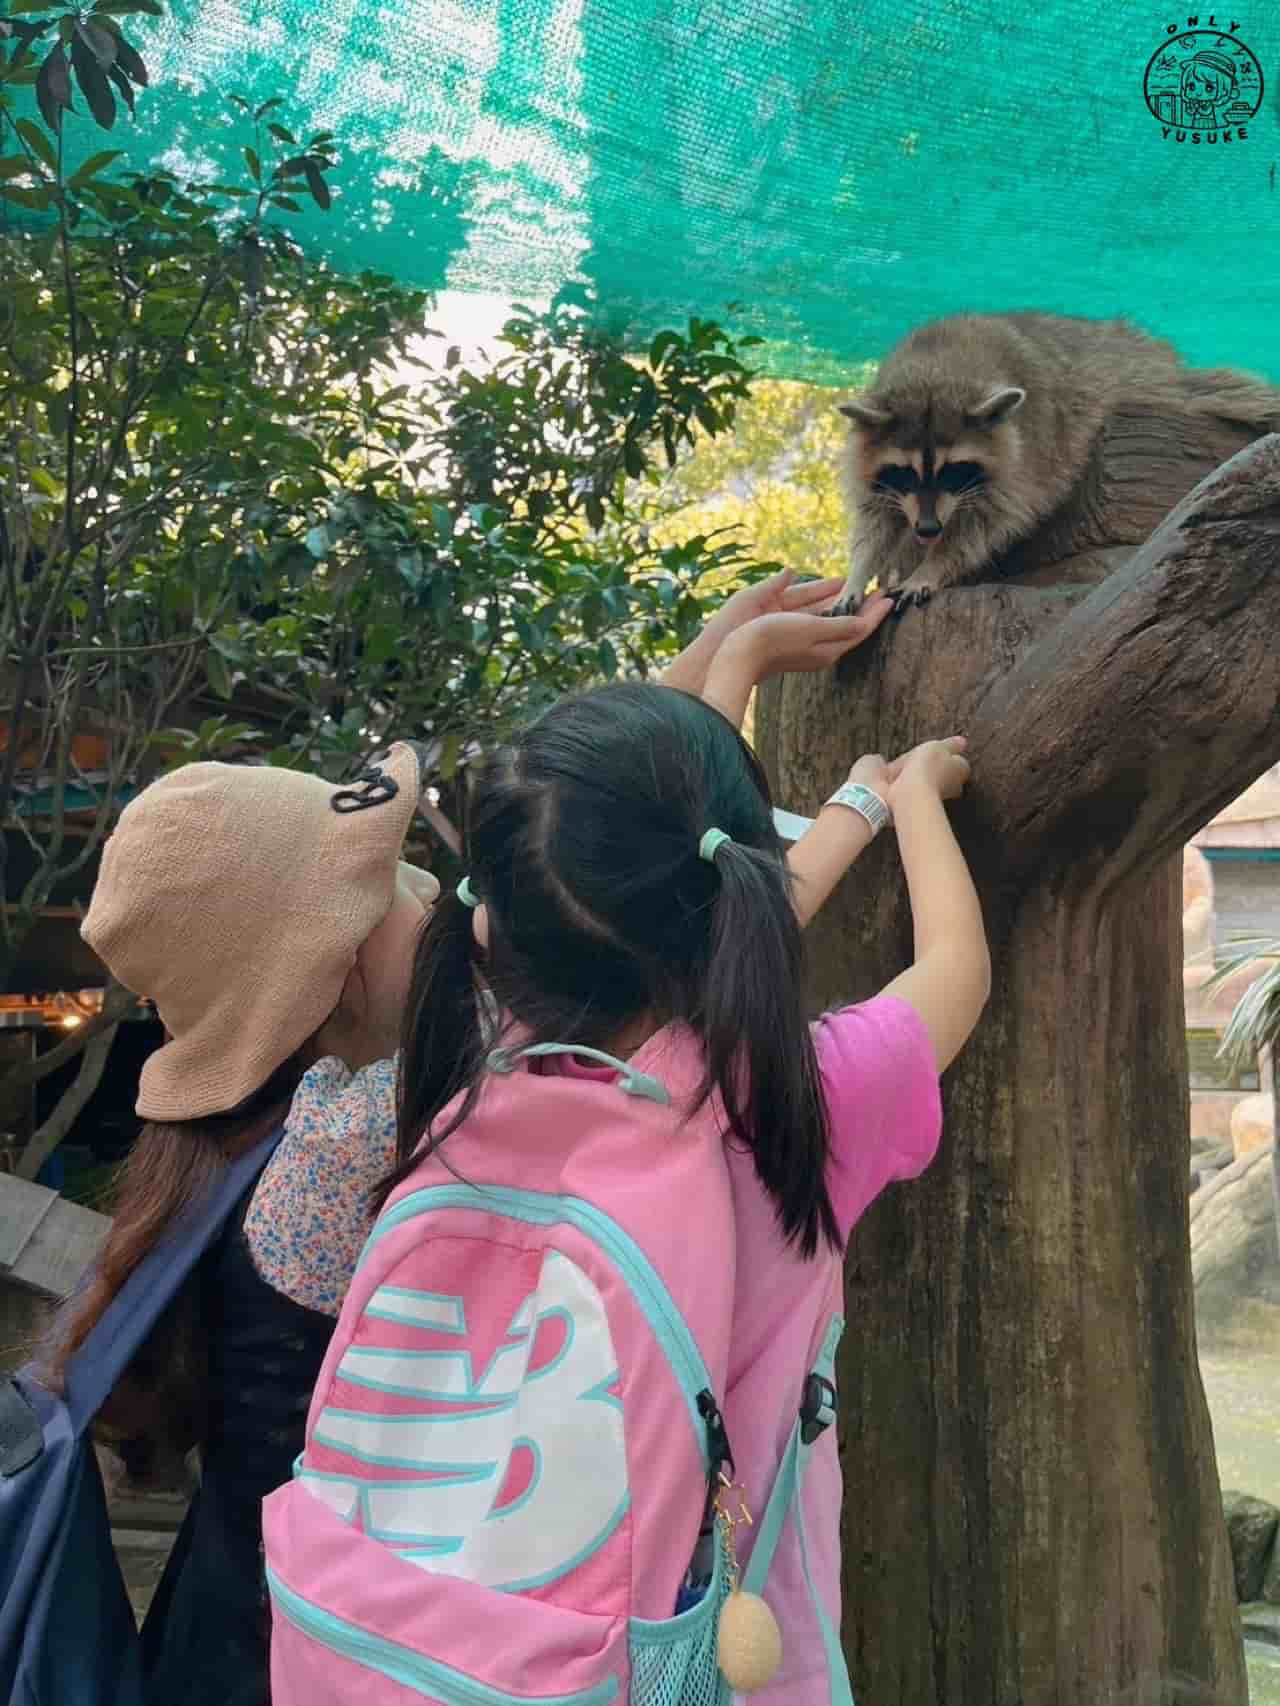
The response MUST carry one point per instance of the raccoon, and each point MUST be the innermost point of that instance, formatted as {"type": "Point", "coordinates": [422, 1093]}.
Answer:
{"type": "Point", "coordinates": [991, 445]}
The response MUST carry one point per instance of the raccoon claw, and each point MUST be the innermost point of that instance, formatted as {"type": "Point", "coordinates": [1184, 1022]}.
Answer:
{"type": "Point", "coordinates": [904, 599]}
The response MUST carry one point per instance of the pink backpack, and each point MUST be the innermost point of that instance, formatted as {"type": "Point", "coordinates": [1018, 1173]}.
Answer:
{"type": "Point", "coordinates": [515, 1435]}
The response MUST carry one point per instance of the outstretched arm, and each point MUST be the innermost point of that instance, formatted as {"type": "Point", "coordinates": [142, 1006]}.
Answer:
{"type": "Point", "coordinates": [780, 593]}
{"type": "Point", "coordinates": [780, 642]}
{"type": "Point", "coordinates": [838, 837]}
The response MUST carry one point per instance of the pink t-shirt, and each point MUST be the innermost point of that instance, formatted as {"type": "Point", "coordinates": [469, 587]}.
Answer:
{"type": "Point", "coordinates": [884, 1108]}
{"type": "Point", "coordinates": [881, 1081]}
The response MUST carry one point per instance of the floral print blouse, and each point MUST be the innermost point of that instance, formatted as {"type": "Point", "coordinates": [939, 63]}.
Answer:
{"type": "Point", "coordinates": [309, 1216]}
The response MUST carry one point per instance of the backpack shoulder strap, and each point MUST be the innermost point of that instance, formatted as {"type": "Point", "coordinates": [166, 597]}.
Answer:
{"type": "Point", "coordinates": [630, 1082]}
{"type": "Point", "coordinates": [817, 1414]}
{"type": "Point", "coordinates": [96, 1366]}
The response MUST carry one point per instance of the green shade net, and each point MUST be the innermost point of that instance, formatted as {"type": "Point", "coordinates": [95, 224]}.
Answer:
{"type": "Point", "coordinates": [823, 174]}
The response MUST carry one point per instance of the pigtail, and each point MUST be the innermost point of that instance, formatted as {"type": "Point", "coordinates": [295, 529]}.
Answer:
{"type": "Point", "coordinates": [759, 1050]}
{"type": "Point", "coordinates": [442, 1036]}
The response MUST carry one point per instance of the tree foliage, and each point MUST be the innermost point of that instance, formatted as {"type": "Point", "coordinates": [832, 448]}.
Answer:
{"type": "Point", "coordinates": [773, 481]}
{"type": "Point", "coordinates": [242, 514]}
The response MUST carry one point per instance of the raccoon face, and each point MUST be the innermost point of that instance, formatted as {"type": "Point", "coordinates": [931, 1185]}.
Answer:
{"type": "Point", "coordinates": [931, 463]}
{"type": "Point", "coordinates": [928, 498]}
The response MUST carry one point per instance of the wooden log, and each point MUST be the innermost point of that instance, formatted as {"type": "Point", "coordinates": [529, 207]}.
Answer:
{"type": "Point", "coordinates": [1032, 1506]}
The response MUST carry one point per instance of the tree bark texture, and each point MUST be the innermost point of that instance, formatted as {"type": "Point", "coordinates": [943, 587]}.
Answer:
{"type": "Point", "coordinates": [1032, 1503]}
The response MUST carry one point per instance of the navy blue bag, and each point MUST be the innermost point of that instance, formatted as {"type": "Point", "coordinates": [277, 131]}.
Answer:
{"type": "Point", "coordinates": [67, 1633]}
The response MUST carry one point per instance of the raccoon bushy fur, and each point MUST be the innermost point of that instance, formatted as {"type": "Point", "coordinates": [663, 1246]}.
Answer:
{"type": "Point", "coordinates": [996, 444]}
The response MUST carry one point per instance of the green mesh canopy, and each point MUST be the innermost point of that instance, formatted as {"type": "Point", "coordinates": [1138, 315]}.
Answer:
{"type": "Point", "coordinates": [823, 173]}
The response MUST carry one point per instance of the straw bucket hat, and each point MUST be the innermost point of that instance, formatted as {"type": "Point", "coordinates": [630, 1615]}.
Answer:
{"type": "Point", "coordinates": [235, 898]}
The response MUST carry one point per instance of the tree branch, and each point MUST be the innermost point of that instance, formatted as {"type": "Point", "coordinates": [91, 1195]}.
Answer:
{"type": "Point", "coordinates": [1071, 749]}
{"type": "Point", "coordinates": [70, 1105]}
{"type": "Point", "coordinates": [117, 1004]}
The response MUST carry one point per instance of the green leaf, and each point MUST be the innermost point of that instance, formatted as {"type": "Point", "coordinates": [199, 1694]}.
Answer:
{"type": "Point", "coordinates": [93, 165]}
{"type": "Point", "coordinates": [15, 166]}
{"type": "Point", "coordinates": [227, 645]}
{"type": "Point", "coordinates": [318, 542]}
{"type": "Point", "coordinates": [44, 482]}
{"type": "Point", "coordinates": [93, 81]}
{"type": "Point", "coordinates": [287, 202]}
{"type": "Point", "coordinates": [123, 85]}
{"type": "Point", "coordinates": [380, 643]}
{"type": "Point", "coordinates": [607, 658]}
{"type": "Point", "coordinates": [18, 7]}
{"type": "Point", "coordinates": [130, 62]}
{"type": "Point", "coordinates": [101, 43]}
{"type": "Point", "coordinates": [283, 135]}
{"type": "Point", "coordinates": [38, 201]}
{"type": "Point", "coordinates": [37, 142]}
{"type": "Point", "coordinates": [316, 184]}
{"type": "Point", "coordinates": [706, 417]}
{"type": "Point", "coordinates": [252, 161]}
{"type": "Point", "coordinates": [664, 342]}
{"type": "Point", "coordinates": [269, 106]}
{"type": "Point", "coordinates": [53, 88]}
{"type": "Point", "coordinates": [219, 676]}
{"type": "Point", "coordinates": [450, 753]}
{"type": "Point", "coordinates": [56, 408]}
{"type": "Point", "coordinates": [123, 8]}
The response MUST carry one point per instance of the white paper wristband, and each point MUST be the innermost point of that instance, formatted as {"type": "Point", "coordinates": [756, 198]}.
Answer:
{"type": "Point", "coordinates": [866, 802]}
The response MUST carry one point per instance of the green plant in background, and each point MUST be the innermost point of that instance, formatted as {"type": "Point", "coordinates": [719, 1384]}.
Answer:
{"type": "Point", "coordinates": [774, 480]}
{"type": "Point", "coordinates": [241, 515]}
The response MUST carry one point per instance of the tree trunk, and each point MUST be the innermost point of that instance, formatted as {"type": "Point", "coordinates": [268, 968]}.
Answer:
{"type": "Point", "coordinates": [1032, 1502]}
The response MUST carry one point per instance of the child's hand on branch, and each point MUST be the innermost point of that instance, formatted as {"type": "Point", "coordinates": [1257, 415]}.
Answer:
{"type": "Point", "coordinates": [878, 774]}
{"type": "Point", "coordinates": [937, 766]}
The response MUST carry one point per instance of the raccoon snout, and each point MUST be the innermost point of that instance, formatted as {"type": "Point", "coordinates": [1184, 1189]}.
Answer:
{"type": "Point", "coordinates": [926, 530]}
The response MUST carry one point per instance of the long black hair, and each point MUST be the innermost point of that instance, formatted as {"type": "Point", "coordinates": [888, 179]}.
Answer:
{"type": "Point", "coordinates": [582, 842]}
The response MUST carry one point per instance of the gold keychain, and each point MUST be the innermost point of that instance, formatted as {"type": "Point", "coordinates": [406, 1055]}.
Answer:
{"type": "Point", "coordinates": [749, 1642]}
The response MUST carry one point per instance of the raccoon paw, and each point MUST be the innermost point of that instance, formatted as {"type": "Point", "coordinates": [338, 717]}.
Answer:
{"type": "Point", "coordinates": [848, 604]}
{"type": "Point", "coordinates": [905, 597]}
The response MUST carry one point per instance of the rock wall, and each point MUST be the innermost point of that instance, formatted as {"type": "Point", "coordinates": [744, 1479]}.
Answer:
{"type": "Point", "coordinates": [1253, 1527]}
{"type": "Point", "coordinates": [1235, 1249]}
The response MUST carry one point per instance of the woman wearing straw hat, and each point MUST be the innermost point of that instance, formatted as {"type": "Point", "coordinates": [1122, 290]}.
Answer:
{"type": "Point", "coordinates": [269, 917]}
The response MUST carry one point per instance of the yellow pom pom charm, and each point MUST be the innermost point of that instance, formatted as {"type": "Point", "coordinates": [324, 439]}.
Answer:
{"type": "Point", "coordinates": [748, 1640]}
{"type": "Point", "coordinates": [749, 1646]}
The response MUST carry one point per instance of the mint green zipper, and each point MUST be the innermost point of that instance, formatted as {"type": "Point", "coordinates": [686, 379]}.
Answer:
{"type": "Point", "coordinates": [537, 1208]}
{"type": "Point", "coordinates": [410, 1669]}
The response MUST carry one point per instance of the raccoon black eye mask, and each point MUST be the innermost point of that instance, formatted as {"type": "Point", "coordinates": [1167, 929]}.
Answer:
{"type": "Point", "coordinates": [953, 478]}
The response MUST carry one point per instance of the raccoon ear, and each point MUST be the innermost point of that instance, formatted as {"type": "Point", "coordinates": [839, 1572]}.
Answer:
{"type": "Point", "coordinates": [1002, 403]}
{"type": "Point", "coordinates": [865, 414]}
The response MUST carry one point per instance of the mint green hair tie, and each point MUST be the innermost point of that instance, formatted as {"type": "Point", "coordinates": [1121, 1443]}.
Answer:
{"type": "Point", "coordinates": [711, 844]}
{"type": "Point", "coordinates": [466, 894]}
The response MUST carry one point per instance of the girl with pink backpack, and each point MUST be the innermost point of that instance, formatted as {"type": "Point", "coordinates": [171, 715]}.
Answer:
{"type": "Point", "coordinates": [572, 1440]}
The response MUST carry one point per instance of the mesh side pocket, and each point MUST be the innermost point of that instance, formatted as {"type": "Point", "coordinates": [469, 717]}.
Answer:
{"type": "Point", "coordinates": [673, 1661]}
